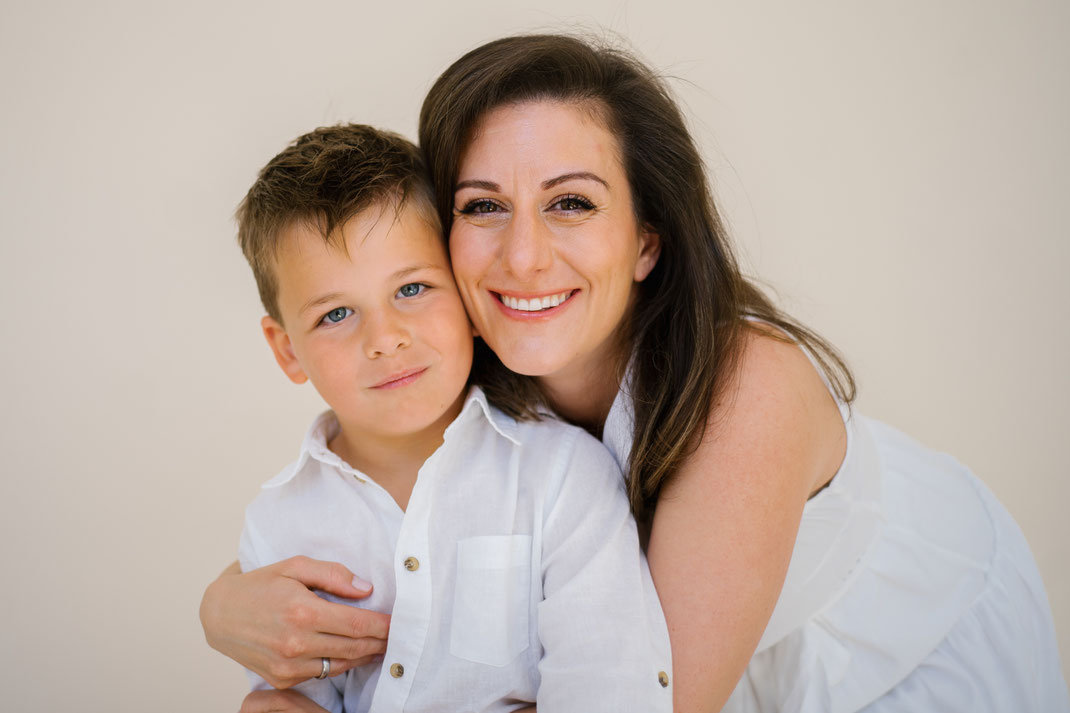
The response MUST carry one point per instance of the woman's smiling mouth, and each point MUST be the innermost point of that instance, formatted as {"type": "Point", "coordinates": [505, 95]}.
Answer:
{"type": "Point", "coordinates": [534, 304]}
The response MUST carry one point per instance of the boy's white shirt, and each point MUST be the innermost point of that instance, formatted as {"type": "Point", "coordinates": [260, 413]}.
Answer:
{"type": "Point", "coordinates": [530, 585]}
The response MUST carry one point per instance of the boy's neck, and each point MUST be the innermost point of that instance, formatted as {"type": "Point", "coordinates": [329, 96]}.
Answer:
{"type": "Point", "coordinates": [394, 462]}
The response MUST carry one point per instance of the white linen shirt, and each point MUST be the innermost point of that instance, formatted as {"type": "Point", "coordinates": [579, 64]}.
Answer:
{"type": "Point", "coordinates": [515, 575]}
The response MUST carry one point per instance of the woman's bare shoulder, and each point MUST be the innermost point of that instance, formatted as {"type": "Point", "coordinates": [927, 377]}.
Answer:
{"type": "Point", "coordinates": [776, 400]}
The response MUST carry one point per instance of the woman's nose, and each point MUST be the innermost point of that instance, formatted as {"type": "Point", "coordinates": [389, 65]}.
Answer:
{"type": "Point", "coordinates": [527, 248]}
{"type": "Point", "coordinates": [384, 334]}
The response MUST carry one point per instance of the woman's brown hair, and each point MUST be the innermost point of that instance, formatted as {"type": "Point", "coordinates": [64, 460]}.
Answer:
{"type": "Point", "coordinates": [684, 335]}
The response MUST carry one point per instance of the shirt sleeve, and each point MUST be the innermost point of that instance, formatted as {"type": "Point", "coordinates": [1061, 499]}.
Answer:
{"type": "Point", "coordinates": [255, 551]}
{"type": "Point", "coordinates": [603, 633]}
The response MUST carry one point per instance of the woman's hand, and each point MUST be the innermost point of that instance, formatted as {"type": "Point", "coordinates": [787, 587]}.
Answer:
{"type": "Point", "coordinates": [269, 621]}
{"type": "Point", "coordinates": [279, 702]}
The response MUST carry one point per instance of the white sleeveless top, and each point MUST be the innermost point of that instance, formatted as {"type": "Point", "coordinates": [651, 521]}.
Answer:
{"type": "Point", "coordinates": [910, 588]}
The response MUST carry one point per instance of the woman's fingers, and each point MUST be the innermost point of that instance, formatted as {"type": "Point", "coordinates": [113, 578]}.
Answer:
{"type": "Point", "coordinates": [328, 576]}
{"type": "Point", "coordinates": [340, 666]}
{"type": "Point", "coordinates": [302, 656]}
{"type": "Point", "coordinates": [313, 628]}
{"type": "Point", "coordinates": [346, 622]}
{"type": "Point", "coordinates": [345, 648]}
{"type": "Point", "coordinates": [269, 621]}
{"type": "Point", "coordinates": [344, 653]}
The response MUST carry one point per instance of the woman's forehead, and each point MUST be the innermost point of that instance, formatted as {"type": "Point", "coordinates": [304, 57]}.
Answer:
{"type": "Point", "coordinates": [541, 136]}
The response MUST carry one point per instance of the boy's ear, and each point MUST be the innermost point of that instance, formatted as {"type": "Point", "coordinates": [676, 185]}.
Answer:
{"type": "Point", "coordinates": [649, 252]}
{"type": "Point", "coordinates": [280, 345]}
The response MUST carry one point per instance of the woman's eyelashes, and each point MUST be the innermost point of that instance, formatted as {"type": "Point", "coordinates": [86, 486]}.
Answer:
{"type": "Point", "coordinates": [572, 203]}
{"type": "Point", "coordinates": [569, 204]}
{"type": "Point", "coordinates": [480, 206]}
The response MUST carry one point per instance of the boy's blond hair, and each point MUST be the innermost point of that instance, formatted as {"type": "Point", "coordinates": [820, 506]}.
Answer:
{"type": "Point", "coordinates": [323, 179]}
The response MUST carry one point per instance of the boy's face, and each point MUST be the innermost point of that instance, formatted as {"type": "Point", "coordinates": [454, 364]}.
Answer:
{"type": "Point", "coordinates": [380, 331]}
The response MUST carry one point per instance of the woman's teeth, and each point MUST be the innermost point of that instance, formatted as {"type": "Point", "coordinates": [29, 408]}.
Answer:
{"type": "Point", "coordinates": [535, 304]}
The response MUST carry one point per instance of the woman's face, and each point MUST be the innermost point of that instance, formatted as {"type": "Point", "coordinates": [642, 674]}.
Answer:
{"type": "Point", "coordinates": [545, 245]}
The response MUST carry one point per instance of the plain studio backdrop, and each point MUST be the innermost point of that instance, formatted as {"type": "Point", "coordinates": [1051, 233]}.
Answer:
{"type": "Point", "coordinates": [897, 173]}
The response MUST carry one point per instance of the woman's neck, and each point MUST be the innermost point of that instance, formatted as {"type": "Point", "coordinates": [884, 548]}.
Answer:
{"type": "Point", "coordinates": [583, 396]}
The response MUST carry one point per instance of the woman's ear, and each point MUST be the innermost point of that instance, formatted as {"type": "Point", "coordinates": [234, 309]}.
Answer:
{"type": "Point", "coordinates": [649, 252]}
{"type": "Point", "coordinates": [283, 350]}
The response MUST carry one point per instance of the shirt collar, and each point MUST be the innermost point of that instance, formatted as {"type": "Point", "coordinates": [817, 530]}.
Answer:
{"type": "Point", "coordinates": [325, 427]}
{"type": "Point", "coordinates": [477, 403]}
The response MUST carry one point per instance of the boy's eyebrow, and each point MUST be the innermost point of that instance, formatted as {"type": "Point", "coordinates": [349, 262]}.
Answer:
{"type": "Point", "coordinates": [322, 299]}
{"type": "Point", "coordinates": [548, 183]}
{"type": "Point", "coordinates": [415, 268]}
{"type": "Point", "coordinates": [403, 272]}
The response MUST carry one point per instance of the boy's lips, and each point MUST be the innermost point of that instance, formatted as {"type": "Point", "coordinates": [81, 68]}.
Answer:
{"type": "Point", "coordinates": [401, 378]}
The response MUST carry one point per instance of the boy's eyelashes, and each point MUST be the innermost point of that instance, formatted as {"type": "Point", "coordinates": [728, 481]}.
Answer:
{"type": "Point", "coordinates": [412, 289]}
{"type": "Point", "coordinates": [335, 316]}
{"type": "Point", "coordinates": [407, 291]}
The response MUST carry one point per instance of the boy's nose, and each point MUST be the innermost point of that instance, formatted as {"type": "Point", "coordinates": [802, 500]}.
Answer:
{"type": "Point", "coordinates": [385, 335]}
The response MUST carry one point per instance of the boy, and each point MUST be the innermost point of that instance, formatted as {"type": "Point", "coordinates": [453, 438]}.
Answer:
{"type": "Point", "coordinates": [503, 549]}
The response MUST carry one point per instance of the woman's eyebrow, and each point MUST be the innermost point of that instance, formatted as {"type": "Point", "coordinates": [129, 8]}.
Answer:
{"type": "Point", "coordinates": [548, 183]}
{"type": "Point", "coordinates": [584, 175]}
{"type": "Point", "coordinates": [485, 185]}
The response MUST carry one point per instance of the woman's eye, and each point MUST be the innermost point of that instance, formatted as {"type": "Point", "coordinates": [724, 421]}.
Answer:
{"type": "Point", "coordinates": [481, 206]}
{"type": "Point", "coordinates": [571, 204]}
{"type": "Point", "coordinates": [336, 315]}
{"type": "Point", "coordinates": [412, 289]}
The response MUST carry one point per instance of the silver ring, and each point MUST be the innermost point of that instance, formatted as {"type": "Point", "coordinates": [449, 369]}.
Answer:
{"type": "Point", "coordinates": [326, 668]}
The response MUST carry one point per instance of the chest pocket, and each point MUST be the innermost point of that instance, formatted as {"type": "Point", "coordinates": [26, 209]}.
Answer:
{"type": "Point", "coordinates": [491, 603]}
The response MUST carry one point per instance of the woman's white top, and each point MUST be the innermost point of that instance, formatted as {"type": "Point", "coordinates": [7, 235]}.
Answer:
{"type": "Point", "coordinates": [910, 588]}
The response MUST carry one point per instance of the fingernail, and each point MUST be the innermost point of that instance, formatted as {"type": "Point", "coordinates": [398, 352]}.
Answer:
{"type": "Point", "coordinates": [362, 584]}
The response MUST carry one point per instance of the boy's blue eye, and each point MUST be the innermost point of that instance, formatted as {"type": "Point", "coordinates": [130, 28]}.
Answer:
{"type": "Point", "coordinates": [337, 314]}
{"type": "Point", "coordinates": [412, 289]}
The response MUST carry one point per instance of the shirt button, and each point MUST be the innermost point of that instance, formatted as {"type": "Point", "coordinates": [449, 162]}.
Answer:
{"type": "Point", "coordinates": [663, 678]}
{"type": "Point", "coordinates": [412, 564]}
{"type": "Point", "coordinates": [397, 670]}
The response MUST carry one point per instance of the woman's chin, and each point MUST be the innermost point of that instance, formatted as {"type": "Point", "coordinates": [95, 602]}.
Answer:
{"type": "Point", "coordinates": [531, 362]}
{"type": "Point", "coordinates": [530, 366]}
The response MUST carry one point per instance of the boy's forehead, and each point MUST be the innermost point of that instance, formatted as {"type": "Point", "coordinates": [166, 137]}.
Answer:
{"type": "Point", "coordinates": [381, 231]}
{"type": "Point", "coordinates": [393, 234]}
{"type": "Point", "coordinates": [414, 218]}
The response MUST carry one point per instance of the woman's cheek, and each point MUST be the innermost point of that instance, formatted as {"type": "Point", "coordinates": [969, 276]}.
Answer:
{"type": "Point", "coordinates": [467, 269]}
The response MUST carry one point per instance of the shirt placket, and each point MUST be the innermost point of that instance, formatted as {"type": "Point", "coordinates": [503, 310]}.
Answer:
{"type": "Point", "coordinates": [411, 615]}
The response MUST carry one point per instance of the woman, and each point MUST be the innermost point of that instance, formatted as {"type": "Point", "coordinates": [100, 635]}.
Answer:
{"type": "Point", "coordinates": [806, 558]}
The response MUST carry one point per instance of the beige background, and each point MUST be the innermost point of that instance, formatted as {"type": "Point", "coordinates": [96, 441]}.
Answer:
{"type": "Point", "coordinates": [898, 172]}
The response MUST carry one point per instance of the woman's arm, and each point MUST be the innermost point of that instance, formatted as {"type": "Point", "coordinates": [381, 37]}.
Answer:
{"type": "Point", "coordinates": [725, 526]}
{"type": "Point", "coordinates": [270, 621]}
{"type": "Point", "coordinates": [279, 702]}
